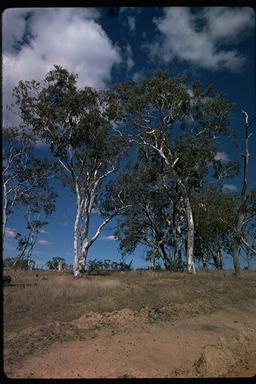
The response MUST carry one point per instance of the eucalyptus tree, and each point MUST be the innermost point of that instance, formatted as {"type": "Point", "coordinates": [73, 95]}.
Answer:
{"type": "Point", "coordinates": [36, 211]}
{"type": "Point", "coordinates": [180, 125]}
{"type": "Point", "coordinates": [249, 227]}
{"type": "Point", "coordinates": [56, 263]}
{"type": "Point", "coordinates": [26, 178]}
{"type": "Point", "coordinates": [215, 214]}
{"type": "Point", "coordinates": [145, 220]}
{"type": "Point", "coordinates": [18, 263]}
{"type": "Point", "coordinates": [239, 237]}
{"type": "Point", "coordinates": [76, 125]}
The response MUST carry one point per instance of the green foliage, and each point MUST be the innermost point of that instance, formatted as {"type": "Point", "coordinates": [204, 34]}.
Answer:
{"type": "Point", "coordinates": [24, 175]}
{"type": "Point", "coordinates": [174, 129]}
{"type": "Point", "coordinates": [8, 261]}
{"type": "Point", "coordinates": [98, 265]}
{"type": "Point", "coordinates": [55, 262]}
{"type": "Point", "coordinates": [215, 215]}
{"type": "Point", "coordinates": [18, 263]}
{"type": "Point", "coordinates": [25, 186]}
{"type": "Point", "coordinates": [74, 122]}
{"type": "Point", "coordinates": [144, 221]}
{"type": "Point", "coordinates": [170, 125]}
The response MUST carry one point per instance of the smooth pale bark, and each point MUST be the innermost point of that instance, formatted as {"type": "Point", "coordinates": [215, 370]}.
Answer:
{"type": "Point", "coordinates": [30, 264]}
{"type": "Point", "coordinates": [191, 228]}
{"type": "Point", "coordinates": [189, 213]}
{"type": "Point", "coordinates": [4, 211]}
{"type": "Point", "coordinates": [241, 211]}
{"type": "Point", "coordinates": [32, 242]}
{"type": "Point", "coordinates": [153, 263]}
{"type": "Point", "coordinates": [175, 232]}
{"type": "Point", "coordinates": [205, 264]}
{"type": "Point", "coordinates": [176, 243]}
{"type": "Point", "coordinates": [85, 243]}
{"type": "Point", "coordinates": [82, 221]}
{"type": "Point", "coordinates": [76, 268]}
{"type": "Point", "coordinates": [248, 246]}
{"type": "Point", "coordinates": [60, 264]}
{"type": "Point", "coordinates": [190, 238]}
{"type": "Point", "coordinates": [217, 259]}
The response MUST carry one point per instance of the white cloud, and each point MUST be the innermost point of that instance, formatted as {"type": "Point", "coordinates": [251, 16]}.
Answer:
{"type": "Point", "coordinates": [109, 237]}
{"type": "Point", "coordinates": [139, 75]}
{"type": "Point", "coordinates": [129, 57]}
{"type": "Point", "coordinates": [14, 27]}
{"type": "Point", "coordinates": [229, 188]}
{"type": "Point", "coordinates": [223, 156]}
{"type": "Point", "coordinates": [197, 37]}
{"type": "Point", "coordinates": [131, 23]}
{"type": "Point", "coordinates": [223, 22]}
{"type": "Point", "coordinates": [43, 242]}
{"type": "Point", "coordinates": [43, 231]}
{"type": "Point", "coordinates": [70, 37]}
{"type": "Point", "coordinates": [128, 17]}
{"type": "Point", "coordinates": [10, 233]}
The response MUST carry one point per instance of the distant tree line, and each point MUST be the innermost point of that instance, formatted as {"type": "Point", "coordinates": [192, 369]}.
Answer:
{"type": "Point", "coordinates": [169, 197]}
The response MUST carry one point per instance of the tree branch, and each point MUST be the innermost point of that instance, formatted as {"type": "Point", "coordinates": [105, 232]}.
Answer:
{"type": "Point", "coordinates": [248, 245]}
{"type": "Point", "coordinates": [64, 166]}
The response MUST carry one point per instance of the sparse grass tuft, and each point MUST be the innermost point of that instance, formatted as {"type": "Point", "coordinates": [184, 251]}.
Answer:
{"type": "Point", "coordinates": [51, 296]}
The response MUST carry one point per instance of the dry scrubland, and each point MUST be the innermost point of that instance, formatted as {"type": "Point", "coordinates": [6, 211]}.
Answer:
{"type": "Point", "coordinates": [45, 310]}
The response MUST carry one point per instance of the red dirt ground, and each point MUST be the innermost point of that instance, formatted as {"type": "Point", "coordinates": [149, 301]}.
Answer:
{"type": "Point", "coordinates": [221, 344]}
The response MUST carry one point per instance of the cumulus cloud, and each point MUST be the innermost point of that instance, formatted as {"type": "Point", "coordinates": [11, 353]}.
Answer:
{"type": "Point", "coordinates": [14, 27]}
{"type": "Point", "coordinates": [131, 23]}
{"type": "Point", "coordinates": [43, 242]}
{"type": "Point", "coordinates": [36, 39]}
{"type": "Point", "coordinates": [222, 156]}
{"type": "Point", "coordinates": [128, 17]}
{"type": "Point", "coordinates": [43, 231]}
{"type": "Point", "coordinates": [223, 22]}
{"type": "Point", "coordinates": [129, 57]}
{"type": "Point", "coordinates": [10, 233]}
{"type": "Point", "coordinates": [139, 75]}
{"type": "Point", "coordinates": [198, 38]}
{"type": "Point", "coordinates": [229, 188]}
{"type": "Point", "coordinates": [109, 237]}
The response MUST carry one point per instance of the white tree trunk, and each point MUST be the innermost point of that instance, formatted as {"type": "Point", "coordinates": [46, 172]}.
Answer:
{"type": "Point", "coordinates": [84, 253]}
{"type": "Point", "coordinates": [82, 221]}
{"type": "Point", "coordinates": [242, 207]}
{"type": "Point", "coordinates": [60, 266]}
{"type": "Point", "coordinates": [191, 228]}
{"type": "Point", "coordinates": [189, 213]}
{"type": "Point", "coordinates": [76, 268]}
{"type": "Point", "coordinates": [4, 211]}
{"type": "Point", "coordinates": [191, 234]}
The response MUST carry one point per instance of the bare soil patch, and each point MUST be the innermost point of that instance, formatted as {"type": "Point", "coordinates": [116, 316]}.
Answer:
{"type": "Point", "coordinates": [154, 325]}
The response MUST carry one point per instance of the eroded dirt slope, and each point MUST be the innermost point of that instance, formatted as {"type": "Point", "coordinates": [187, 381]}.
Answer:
{"type": "Point", "coordinates": [156, 325]}
{"type": "Point", "coordinates": [122, 344]}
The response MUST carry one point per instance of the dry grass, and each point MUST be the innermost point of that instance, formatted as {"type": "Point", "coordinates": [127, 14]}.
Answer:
{"type": "Point", "coordinates": [52, 296]}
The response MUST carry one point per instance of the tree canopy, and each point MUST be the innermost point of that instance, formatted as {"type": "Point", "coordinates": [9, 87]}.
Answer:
{"type": "Point", "coordinates": [170, 198]}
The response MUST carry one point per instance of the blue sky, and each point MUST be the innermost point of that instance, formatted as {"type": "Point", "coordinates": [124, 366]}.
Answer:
{"type": "Point", "coordinates": [213, 44]}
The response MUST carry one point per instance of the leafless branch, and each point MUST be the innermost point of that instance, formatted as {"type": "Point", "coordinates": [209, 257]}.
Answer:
{"type": "Point", "coordinates": [248, 245]}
